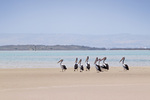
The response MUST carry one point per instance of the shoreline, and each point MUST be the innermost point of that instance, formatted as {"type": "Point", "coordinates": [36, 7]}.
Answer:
{"type": "Point", "coordinates": [58, 67]}
{"type": "Point", "coordinates": [32, 47]}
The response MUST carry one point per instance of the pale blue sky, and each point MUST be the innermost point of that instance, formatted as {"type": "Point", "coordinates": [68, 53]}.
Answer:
{"type": "Point", "coordinates": [86, 17]}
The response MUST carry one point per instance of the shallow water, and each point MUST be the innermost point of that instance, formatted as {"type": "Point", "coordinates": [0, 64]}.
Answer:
{"type": "Point", "coordinates": [49, 59]}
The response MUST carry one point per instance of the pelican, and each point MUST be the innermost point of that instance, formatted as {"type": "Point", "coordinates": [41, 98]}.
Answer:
{"type": "Point", "coordinates": [76, 64]}
{"type": "Point", "coordinates": [63, 67]}
{"type": "Point", "coordinates": [98, 68]}
{"type": "Point", "coordinates": [105, 65]}
{"type": "Point", "coordinates": [81, 66]}
{"type": "Point", "coordinates": [99, 60]}
{"type": "Point", "coordinates": [125, 66]}
{"type": "Point", "coordinates": [87, 63]}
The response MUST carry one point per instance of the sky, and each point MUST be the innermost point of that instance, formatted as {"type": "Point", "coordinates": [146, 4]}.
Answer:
{"type": "Point", "coordinates": [96, 23]}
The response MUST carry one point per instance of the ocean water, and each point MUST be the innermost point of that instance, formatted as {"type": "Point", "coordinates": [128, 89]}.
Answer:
{"type": "Point", "coordinates": [49, 59]}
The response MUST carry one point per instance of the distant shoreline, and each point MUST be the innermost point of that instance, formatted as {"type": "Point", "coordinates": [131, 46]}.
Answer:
{"type": "Point", "coordinates": [58, 47]}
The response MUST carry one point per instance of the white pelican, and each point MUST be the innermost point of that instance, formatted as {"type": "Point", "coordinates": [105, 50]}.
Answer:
{"type": "Point", "coordinates": [105, 65]}
{"type": "Point", "coordinates": [87, 63]}
{"type": "Point", "coordinates": [125, 66]}
{"type": "Point", "coordinates": [99, 60]}
{"type": "Point", "coordinates": [63, 67]}
{"type": "Point", "coordinates": [98, 68]}
{"type": "Point", "coordinates": [76, 64]}
{"type": "Point", "coordinates": [81, 66]}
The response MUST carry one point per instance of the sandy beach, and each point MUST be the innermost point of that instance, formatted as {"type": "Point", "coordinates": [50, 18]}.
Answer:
{"type": "Point", "coordinates": [52, 84]}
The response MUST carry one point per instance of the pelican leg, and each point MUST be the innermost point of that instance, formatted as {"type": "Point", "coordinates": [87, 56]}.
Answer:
{"type": "Point", "coordinates": [124, 69]}
{"type": "Point", "coordinates": [80, 70]}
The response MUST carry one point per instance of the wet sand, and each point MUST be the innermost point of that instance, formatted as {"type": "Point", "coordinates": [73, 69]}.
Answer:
{"type": "Point", "coordinates": [52, 84]}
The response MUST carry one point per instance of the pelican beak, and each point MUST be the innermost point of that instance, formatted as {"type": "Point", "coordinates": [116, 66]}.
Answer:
{"type": "Point", "coordinates": [79, 61]}
{"type": "Point", "coordinates": [76, 60]}
{"type": "Point", "coordinates": [104, 58]}
{"type": "Point", "coordinates": [60, 61]}
{"type": "Point", "coordinates": [122, 59]}
{"type": "Point", "coordinates": [96, 60]}
{"type": "Point", "coordinates": [87, 59]}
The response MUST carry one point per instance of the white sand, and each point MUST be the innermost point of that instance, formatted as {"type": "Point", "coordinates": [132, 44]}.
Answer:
{"type": "Point", "coordinates": [51, 84]}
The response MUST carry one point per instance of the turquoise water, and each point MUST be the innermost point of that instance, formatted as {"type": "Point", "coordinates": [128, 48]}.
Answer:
{"type": "Point", "coordinates": [48, 59]}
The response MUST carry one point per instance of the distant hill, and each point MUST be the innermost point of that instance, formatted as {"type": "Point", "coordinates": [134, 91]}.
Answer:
{"type": "Point", "coordinates": [125, 40]}
{"type": "Point", "coordinates": [58, 47]}
{"type": "Point", "coordinates": [48, 47]}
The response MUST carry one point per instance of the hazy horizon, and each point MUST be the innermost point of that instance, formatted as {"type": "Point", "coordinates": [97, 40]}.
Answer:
{"type": "Point", "coordinates": [94, 23]}
{"type": "Point", "coordinates": [106, 41]}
